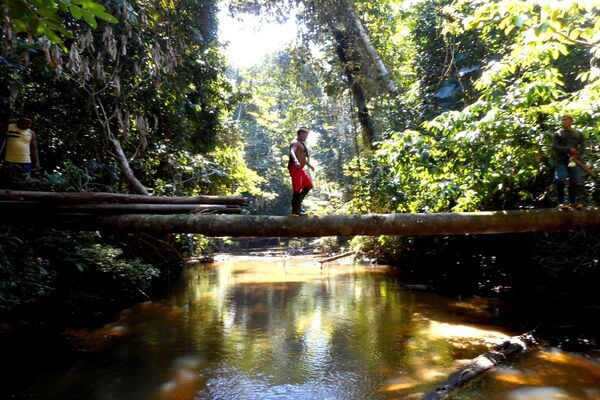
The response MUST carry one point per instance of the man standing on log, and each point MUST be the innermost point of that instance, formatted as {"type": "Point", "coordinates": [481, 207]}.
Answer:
{"type": "Point", "coordinates": [568, 145]}
{"type": "Point", "coordinates": [20, 151]}
{"type": "Point", "coordinates": [301, 182]}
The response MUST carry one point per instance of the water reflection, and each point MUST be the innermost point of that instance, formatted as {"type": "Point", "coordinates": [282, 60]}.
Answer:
{"type": "Point", "coordinates": [287, 329]}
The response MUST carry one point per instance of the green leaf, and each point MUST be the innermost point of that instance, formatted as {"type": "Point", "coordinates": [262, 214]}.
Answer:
{"type": "Point", "coordinates": [19, 26]}
{"type": "Point", "coordinates": [57, 26]}
{"type": "Point", "coordinates": [96, 8]}
{"type": "Point", "coordinates": [587, 34]}
{"type": "Point", "coordinates": [89, 18]}
{"type": "Point", "coordinates": [518, 21]}
{"type": "Point", "coordinates": [584, 76]}
{"type": "Point", "coordinates": [107, 17]}
{"type": "Point", "coordinates": [574, 35]}
{"type": "Point", "coordinates": [48, 13]}
{"type": "Point", "coordinates": [563, 49]}
{"type": "Point", "coordinates": [54, 38]}
{"type": "Point", "coordinates": [76, 12]}
{"type": "Point", "coordinates": [542, 28]}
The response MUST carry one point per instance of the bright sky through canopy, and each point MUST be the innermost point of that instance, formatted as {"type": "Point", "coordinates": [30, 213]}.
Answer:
{"type": "Point", "coordinates": [249, 40]}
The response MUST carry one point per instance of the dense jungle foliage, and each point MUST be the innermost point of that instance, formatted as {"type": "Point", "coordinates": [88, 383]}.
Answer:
{"type": "Point", "coordinates": [414, 106]}
{"type": "Point", "coordinates": [480, 90]}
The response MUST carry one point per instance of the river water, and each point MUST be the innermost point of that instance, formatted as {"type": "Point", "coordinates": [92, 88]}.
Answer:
{"type": "Point", "coordinates": [285, 328]}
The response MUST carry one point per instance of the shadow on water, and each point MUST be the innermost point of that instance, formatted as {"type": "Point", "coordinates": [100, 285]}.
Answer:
{"type": "Point", "coordinates": [283, 328]}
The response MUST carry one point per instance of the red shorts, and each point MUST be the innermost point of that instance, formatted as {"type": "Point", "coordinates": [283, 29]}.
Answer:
{"type": "Point", "coordinates": [300, 179]}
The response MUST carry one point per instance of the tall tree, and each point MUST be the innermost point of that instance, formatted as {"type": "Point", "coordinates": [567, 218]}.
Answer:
{"type": "Point", "coordinates": [337, 22]}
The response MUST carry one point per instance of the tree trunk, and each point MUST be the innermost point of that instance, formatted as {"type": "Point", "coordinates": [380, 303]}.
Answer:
{"type": "Point", "coordinates": [362, 110]}
{"type": "Point", "coordinates": [36, 207]}
{"type": "Point", "coordinates": [119, 154]}
{"type": "Point", "coordinates": [383, 75]}
{"type": "Point", "coordinates": [99, 197]}
{"type": "Point", "coordinates": [545, 220]}
{"type": "Point", "coordinates": [125, 167]}
{"type": "Point", "coordinates": [481, 365]}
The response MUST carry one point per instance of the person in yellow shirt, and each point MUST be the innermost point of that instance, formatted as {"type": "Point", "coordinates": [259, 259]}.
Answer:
{"type": "Point", "coordinates": [20, 150]}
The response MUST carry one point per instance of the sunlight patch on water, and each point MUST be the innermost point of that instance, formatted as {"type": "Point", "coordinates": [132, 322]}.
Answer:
{"type": "Point", "coordinates": [463, 332]}
{"type": "Point", "coordinates": [401, 383]}
{"type": "Point", "coordinates": [431, 374]}
{"type": "Point", "coordinates": [558, 356]}
{"type": "Point", "coordinates": [547, 374]}
{"type": "Point", "coordinates": [283, 269]}
{"type": "Point", "coordinates": [189, 362]}
{"type": "Point", "coordinates": [185, 380]}
{"type": "Point", "coordinates": [538, 393]}
{"type": "Point", "coordinates": [478, 305]}
{"type": "Point", "coordinates": [423, 374]}
{"type": "Point", "coordinates": [515, 377]}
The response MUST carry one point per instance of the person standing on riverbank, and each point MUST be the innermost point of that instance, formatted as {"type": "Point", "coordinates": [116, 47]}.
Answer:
{"type": "Point", "coordinates": [301, 182]}
{"type": "Point", "coordinates": [20, 152]}
{"type": "Point", "coordinates": [568, 144]}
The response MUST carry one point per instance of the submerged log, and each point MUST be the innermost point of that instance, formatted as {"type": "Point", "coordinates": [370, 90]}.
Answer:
{"type": "Point", "coordinates": [545, 220]}
{"type": "Point", "coordinates": [338, 256]}
{"type": "Point", "coordinates": [480, 365]}
{"type": "Point", "coordinates": [99, 197]}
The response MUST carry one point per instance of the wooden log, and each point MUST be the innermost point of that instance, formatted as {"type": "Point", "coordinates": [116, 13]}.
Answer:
{"type": "Point", "coordinates": [338, 256]}
{"type": "Point", "coordinates": [100, 197]}
{"type": "Point", "coordinates": [480, 365]}
{"type": "Point", "coordinates": [35, 207]}
{"type": "Point", "coordinates": [441, 224]}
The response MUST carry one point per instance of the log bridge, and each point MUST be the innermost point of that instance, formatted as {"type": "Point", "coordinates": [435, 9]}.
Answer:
{"type": "Point", "coordinates": [129, 214]}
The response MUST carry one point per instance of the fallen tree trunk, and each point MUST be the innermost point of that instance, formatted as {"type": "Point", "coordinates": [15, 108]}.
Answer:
{"type": "Point", "coordinates": [545, 220]}
{"type": "Point", "coordinates": [35, 207]}
{"type": "Point", "coordinates": [338, 256]}
{"type": "Point", "coordinates": [480, 365]}
{"type": "Point", "coordinates": [99, 197]}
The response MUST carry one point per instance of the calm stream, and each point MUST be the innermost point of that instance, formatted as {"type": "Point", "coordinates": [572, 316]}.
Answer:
{"type": "Point", "coordinates": [283, 328]}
